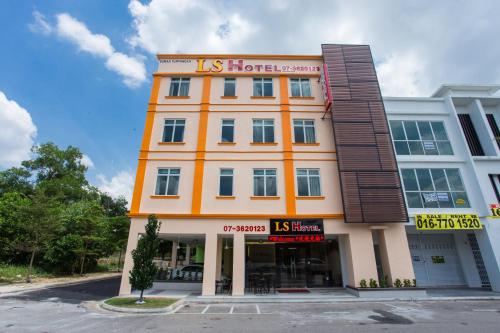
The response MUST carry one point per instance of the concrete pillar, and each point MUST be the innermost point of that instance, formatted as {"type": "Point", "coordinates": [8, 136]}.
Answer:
{"type": "Point", "coordinates": [395, 253]}
{"type": "Point", "coordinates": [173, 262]}
{"type": "Point", "coordinates": [239, 265]}
{"type": "Point", "coordinates": [188, 255]}
{"type": "Point", "coordinates": [128, 264]}
{"type": "Point", "coordinates": [218, 266]}
{"type": "Point", "coordinates": [209, 267]}
{"type": "Point", "coordinates": [488, 240]}
{"type": "Point", "coordinates": [360, 256]}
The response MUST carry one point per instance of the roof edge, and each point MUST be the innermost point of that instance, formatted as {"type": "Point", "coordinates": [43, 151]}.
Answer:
{"type": "Point", "coordinates": [239, 56]}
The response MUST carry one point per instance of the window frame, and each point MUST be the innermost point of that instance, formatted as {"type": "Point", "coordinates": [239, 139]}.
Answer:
{"type": "Point", "coordinates": [232, 181]}
{"type": "Point", "coordinates": [263, 128]}
{"type": "Point", "coordinates": [265, 176]}
{"type": "Point", "coordinates": [434, 191]}
{"type": "Point", "coordinates": [308, 177]}
{"type": "Point", "coordinates": [172, 92]}
{"type": "Point", "coordinates": [421, 142]}
{"type": "Point", "coordinates": [299, 82]}
{"type": "Point", "coordinates": [168, 176]}
{"type": "Point", "coordinates": [263, 81]}
{"type": "Point", "coordinates": [226, 81]}
{"type": "Point", "coordinates": [303, 127]}
{"type": "Point", "coordinates": [174, 126]}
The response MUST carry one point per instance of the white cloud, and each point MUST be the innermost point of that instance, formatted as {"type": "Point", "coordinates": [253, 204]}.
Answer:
{"type": "Point", "coordinates": [119, 185]}
{"type": "Point", "coordinates": [40, 24]}
{"type": "Point", "coordinates": [402, 75]}
{"type": "Point", "coordinates": [17, 134]}
{"type": "Point", "coordinates": [86, 161]}
{"type": "Point", "coordinates": [131, 69]}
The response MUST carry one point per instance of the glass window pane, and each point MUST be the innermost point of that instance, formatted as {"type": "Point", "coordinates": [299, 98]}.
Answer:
{"type": "Point", "coordinates": [409, 180]}
{"type": "Point", "coordinates": [258, 185]}
{"type": "Point", "coordinates": [168, 133]}
{"type": "Point", "coordinates": [413, 199]}
{"type": "Point", "coordinates": [397, 130]}
{"type": "Point", "coordinates": [444, 148]}
{"type": "Point", "coordinates": [270, 172]}
{"type": "Point", "coordinates": [424, 179]}
{"type": "Point", "coordinates": [425, 130]}
{"type": "Point", "coordinates": [310, 135]}
{"type": "Point", "coordinates": [302, 187]}
{"type": "Point", "coordinates": [439, 131]}
{"type": "Point", "coordinates": [298, 132]}
{"type": "Point", "coordinates": [315, 186]}
{"type": "Point", "coordinates": [163, 171]}
{"type": "Point", "coordinates": [416, 147]}
{"type": "Point", "coordinates": [174, 87]}
{"type": "Point", "coordinates": [229, 87]}
{"type": "Point", "coordinates": [401, 148]}
{"type": "Point", "coordinates": [161, 185]}
{"type": "Point", "coordinates": [173, 185]}
{"type": "Point", "coordinates": [229, 122]}
{"type": "Point", "coordinates": [439, 180]}
{"type": "Point", "coordinates": [226, 185]}
{"type": "Point", "coordinates": [454, 180]}
{"type": "Point", "coordinates": [295, 87]}
{"type": "Point", "coordinates": [268, 122]}
{"type": "Point", "coordinates": [445, 200]}
{"type": "Point", "coordinates": [411, 130]}
{"type": "Point", "coordinates": [184, 89]}
{"type": "Point", "coordinates": [314, 172]}
{"type": "Point", "coordinates": [174, 171]}
{"type": "Point", "coordinates": [226, 172]}
{"type": "Point", "coordinates": [258, 172]}
{"type": "Point", "coordinates": [269, 134]}
{"type": "Point", "coordinates": [271, 186]}
{"type": "Point", "coordinates": [460, 200]}
{"type": "Point", "coordinates": [268, 88]}
{"type": "Point", "coordinates": [257, 87]}
{"type": "Point", "coordinates": [179, 133]}
{"type": "Point", "coordinates": [227, 134]}
{"type": "Point", "coordinates": [306, 87]}
{"type": "Point", "coordinates": [257, 134]}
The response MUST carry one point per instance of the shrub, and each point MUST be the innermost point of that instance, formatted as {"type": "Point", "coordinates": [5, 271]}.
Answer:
{"type": "Point", "coordinates": [407, 283]}
{"type": "Point", "coordinates": [363, 284]}
{"type": "Point", "coordinates": [414, 284]}
{"type": "Point", "coordinates": [397, 283]}
{"type": "Point", "coordinates": [373, 283]}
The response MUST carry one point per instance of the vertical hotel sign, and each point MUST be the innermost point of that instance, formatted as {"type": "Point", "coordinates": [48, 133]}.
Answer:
{"type": "Point", "coordinates": [325, 86]}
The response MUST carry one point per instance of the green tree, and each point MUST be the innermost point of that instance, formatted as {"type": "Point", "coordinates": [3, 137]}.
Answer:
{"type": "Point", "coordinates": [144, 270]}
{"type": "Point", "coordinates": [15, 180]}
{"type": "Point", "coordinates": [12, 204]}
{"type": "Point", "coordinates": [117, 234]}
{"type": "Point", "coordinates": [40, 223]}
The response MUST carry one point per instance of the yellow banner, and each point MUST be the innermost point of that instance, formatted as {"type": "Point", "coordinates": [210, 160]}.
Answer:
{"type": "Point", "coordinates": [495, 211]}
{"type": "Point", "coordinates": [447, 221]}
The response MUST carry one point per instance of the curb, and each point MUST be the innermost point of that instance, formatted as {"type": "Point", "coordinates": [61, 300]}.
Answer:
{"type": "Point", "coordinates": [166, 310]}
{"type": "Point", "coordinates": [56, 285]}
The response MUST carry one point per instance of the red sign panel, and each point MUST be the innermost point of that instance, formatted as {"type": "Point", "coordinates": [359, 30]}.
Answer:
{"type": "Point", "coordinates": [296, 238]}
{"type": "Point", "coordinates": [325, 86]}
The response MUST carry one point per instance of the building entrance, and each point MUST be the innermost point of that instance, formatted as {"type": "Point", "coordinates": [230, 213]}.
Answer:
{"type": "Point", "coordinates": [295, 265]}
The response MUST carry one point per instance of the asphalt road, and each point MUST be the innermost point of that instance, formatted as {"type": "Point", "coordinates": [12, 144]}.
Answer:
{"type": "Point", "coordinates": [60, 310]}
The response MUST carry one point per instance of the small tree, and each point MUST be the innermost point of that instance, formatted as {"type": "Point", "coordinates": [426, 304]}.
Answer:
{"type": "Point", "coordinates": [144, 270]}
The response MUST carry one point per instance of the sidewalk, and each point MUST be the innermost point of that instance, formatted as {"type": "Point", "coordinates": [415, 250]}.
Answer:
{"type": "Point", "coordinates": [47, 283]}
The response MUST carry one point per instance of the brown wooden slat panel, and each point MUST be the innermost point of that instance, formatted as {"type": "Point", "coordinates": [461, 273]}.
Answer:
{"type": "Point", "coordinates": [354, 133]}
{"type": "Point", "coordinates": [362, 139]}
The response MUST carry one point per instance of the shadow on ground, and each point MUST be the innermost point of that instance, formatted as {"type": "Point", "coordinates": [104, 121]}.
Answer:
{"type": "Point", "coordinates": [75, 293]}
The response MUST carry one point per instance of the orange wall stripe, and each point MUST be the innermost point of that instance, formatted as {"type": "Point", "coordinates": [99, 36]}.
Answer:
{"type": "Point", "coordinates": [287, 147]}
{"type": "Point", "coordinates": [266, 217]}
{"type": "Point", "coordinates": [201, 146]}
{"type": "Point", "coordinates": [146, 140]}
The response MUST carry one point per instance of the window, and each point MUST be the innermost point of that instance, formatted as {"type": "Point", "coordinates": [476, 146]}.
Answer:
{"type": "Point", "coordinates": [495, 182]}
{"type": "Point", "coordinates": [494, 127]}
{"type": "Point", "coordinates": [226, 182]}
{"type": "Point", "coordinates": [264, 182]}
{"type": "Point", "coordinates": [300, 87]}
{"type": "Point", "coordinates": [263, 87]}
{"type": "Point", "coordinates": [167, 181]}
{"type": "Point", "coordinates": [173, 131]}
{"type": "Point", "coordinates": [434, 188]}
{"type": "Point", "coordinates": [229, 86]}
{"type": "Point", "coordinates": [308, 183]}
{"type": "Point", "coordinates": [471, 136]}
{"type": "Point", "coordinates": [303, 130]}
{"type": "Point", "coordinates": [179, 86]}
{"type": "Point", "coordinates": [420, 138]}
{"type": "Point", "coordinates": [263, 130]}
{"type": "Point", "coordinates": [227, 131]}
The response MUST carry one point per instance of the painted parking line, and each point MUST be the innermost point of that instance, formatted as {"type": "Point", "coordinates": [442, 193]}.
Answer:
{"type": "Point", "coordinates": [219, 309]}
{"type": "Point", "coordinates": [485, 310]}
{"type": "Point", "coordinates": [257, 308]}
{"type": "Point", "coordinates": [205, 309]}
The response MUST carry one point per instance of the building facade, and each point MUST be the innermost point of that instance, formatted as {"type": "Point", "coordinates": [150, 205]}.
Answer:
{"type": "Point", "coordinates": [447, 148]}
{"type": "Point", "coordinates": [254, 173]}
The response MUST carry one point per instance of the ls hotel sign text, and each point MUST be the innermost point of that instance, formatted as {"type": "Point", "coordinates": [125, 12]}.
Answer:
{"type": "Point", "coordinates": [299, 230]}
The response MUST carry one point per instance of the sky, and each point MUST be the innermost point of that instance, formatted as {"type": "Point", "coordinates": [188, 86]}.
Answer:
{"type": "Point", "coordinates": [79, 72]}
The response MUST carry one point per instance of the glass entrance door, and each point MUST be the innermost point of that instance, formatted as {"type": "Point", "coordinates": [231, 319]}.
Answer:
{"type": "Point", "coordinates": [291, 265]}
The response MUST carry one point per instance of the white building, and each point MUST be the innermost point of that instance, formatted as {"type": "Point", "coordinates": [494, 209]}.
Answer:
{"type": "Point", "coordinates": [448, 155]}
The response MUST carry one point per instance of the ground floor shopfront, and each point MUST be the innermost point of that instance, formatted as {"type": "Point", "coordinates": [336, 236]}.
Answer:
{"type": "Point", "coordinates": [241, 250]}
